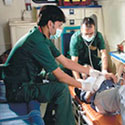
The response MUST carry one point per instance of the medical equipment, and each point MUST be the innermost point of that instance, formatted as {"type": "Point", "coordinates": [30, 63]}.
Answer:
{"type": "Point", "coordinates": [28, 5]}
{"type": "Point", "coordinates": [121, 47]}
{"type": "Point", "coordinates": [90, 59]}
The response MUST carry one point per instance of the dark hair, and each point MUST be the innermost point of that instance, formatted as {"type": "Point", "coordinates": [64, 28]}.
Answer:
{"type": "Point", "coordinates": [50, 12]}
{"type": "Point", "coordinates": [88, 21]}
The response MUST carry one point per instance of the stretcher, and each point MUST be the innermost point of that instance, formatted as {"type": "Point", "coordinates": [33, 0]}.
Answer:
{"type": "Point", "coordinates": [85, 115]}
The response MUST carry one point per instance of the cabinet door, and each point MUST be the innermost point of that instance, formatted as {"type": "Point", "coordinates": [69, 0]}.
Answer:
{"type": "Point", "coordinates": [74, 16]}
{"type": "Point", "coordinates": [18, 31]}
{"type": "Point", "coordinates": [72, 13]}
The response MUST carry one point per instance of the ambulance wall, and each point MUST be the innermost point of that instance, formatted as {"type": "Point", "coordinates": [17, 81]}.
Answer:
{"type": "Point", "coordinates": [7, 12]}
{"type": "Point", "coordinates": [113, 14]}
{"type": "Point", "coordinates": [114, 21]}
{"type": "Point", "coordinates": [114, 28]}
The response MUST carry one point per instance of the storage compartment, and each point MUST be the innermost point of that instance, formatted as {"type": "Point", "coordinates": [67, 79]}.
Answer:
{"type": "Point", "coordinates": [18, 28]}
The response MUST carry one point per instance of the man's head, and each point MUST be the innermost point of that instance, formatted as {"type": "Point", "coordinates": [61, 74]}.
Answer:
{"type": "Point", "coordinates": [88, 29]}
{"type": "Point", "coordinates": [50, 13]}
{"type": "Point", "coordinates": [52, 17]}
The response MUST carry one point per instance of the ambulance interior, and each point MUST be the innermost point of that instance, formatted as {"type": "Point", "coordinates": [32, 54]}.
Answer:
{"type": "Point", "coordinates": [19, 16]}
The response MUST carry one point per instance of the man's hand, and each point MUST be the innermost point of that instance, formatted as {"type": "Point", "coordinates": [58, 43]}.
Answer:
{"type": "Point", "coordinates": [98, 82]}
{"type": "Point", "coordinates": [110, 76]}
{"type": "Point", "coordinates": [84, 76]}
{"type": "Point", "coordinates": [87, 84]}
{"type": "Point", "coordinates": [94, 73]}
{"type": "Point", "coordinates": [91, 84]}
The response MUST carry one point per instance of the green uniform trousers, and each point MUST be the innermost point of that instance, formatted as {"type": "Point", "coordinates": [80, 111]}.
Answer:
{"type": "Point", "coordinates": [55, 93]}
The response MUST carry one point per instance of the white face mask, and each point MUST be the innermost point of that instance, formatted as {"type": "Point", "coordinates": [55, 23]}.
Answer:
{"type": "Point", "coordinates": [88, 39]}
{"type": "Point", "coordinates": [57, 35]}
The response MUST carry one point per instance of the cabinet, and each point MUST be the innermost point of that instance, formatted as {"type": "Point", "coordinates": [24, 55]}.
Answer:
{"type": "Point", "coordinates": [18, 28]}
{"type": "Point", "coordinates": [75, 14]}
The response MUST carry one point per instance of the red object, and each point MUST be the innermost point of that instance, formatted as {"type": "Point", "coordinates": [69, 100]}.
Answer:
{"type": "Point", "coordinates": [120, 47]}
{"type": "Point", "coordinates": [28, 6]}
{"type": "Point", "coordinates": [40, 29]}
{"type": "Point", "coordinates": [74, 2]}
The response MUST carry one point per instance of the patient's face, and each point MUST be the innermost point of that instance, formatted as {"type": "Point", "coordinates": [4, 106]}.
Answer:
{"type": "Point", "coordinates": [88, 31]}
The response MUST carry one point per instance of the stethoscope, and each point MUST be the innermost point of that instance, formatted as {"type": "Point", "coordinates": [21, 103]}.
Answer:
{"type": "Point", "coordinates": [90, 59]}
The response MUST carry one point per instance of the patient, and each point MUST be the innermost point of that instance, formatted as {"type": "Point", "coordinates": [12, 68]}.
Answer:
{"type": "Point", "coordinates": [109, 98]}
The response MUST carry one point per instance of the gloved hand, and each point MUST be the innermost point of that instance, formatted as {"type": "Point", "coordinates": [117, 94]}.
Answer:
{"type": "Point", "coordinates": [94, 73]}
{"type": "Point", "coordinates": [98, 82]}
{"type": "Point", "coordinates": [87, 84]}
{"type": "Point", "coordinates": [92, 84]}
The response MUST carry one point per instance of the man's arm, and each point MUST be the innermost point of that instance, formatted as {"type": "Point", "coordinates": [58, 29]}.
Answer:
{"type": "Point", "coordinates": [75, 74]}
{"type": "Point", "coordinates": [104, 59]}
{"type": "Point", "coordinates": [69, 64]}
{"type": "Point", "coordinates": [63, 77]}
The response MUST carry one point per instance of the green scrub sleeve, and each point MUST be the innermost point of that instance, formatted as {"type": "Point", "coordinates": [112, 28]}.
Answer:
{"type": "Point", "coordinates": [101, 42]}
{"type": "Point", "coordinates": [73, 48]}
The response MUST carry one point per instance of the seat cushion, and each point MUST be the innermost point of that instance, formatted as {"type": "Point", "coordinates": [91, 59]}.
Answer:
{"type": "Point", "coordinates": [18, 113]}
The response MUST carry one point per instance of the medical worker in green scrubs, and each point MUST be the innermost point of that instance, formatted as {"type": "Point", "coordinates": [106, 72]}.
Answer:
{"type": "Point", "coordinates": [34, 52]}
{"type": "Point", "coordinates": [84, 46]}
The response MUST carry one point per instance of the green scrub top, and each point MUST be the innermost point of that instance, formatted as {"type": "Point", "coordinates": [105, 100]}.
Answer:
{"type": "Point", "coordinates": [80, 49]}
{"type": "Point", "coordinates": [32, 53]}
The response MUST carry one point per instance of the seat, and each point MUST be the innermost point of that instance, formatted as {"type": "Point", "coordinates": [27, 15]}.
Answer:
{"type": "Point", "coordinates": [65, 38]}
{"type": "Point", "coordinates": [18, 113]}
{"type": "Point", "coordinates": [84, 114]}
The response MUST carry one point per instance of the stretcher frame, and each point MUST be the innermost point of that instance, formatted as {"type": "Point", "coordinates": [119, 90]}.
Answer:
{"type": "Point", "coordinates": [85, 115]}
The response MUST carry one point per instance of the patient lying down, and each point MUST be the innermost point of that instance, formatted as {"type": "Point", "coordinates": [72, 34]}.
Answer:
{"type": "Point", "coordinates": [108, 97]}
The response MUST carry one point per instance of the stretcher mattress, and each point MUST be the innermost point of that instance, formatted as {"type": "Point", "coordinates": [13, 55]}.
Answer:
{"type": "Point", "coordinates": [95, 117]}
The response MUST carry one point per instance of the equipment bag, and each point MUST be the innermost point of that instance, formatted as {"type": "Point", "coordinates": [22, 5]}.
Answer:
{"type": "Point", "coordinates": [74, 2]}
